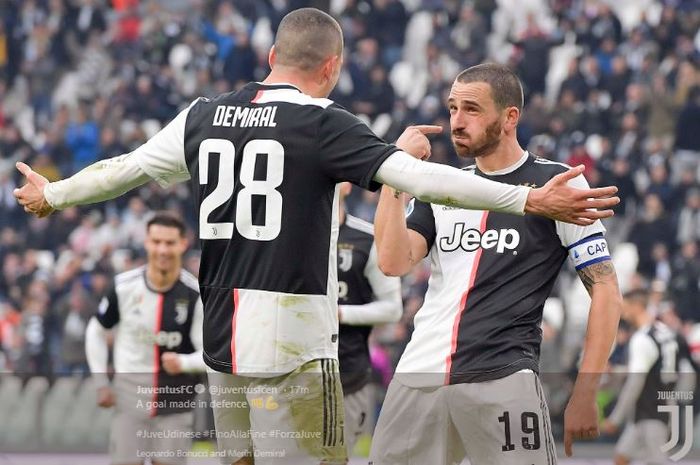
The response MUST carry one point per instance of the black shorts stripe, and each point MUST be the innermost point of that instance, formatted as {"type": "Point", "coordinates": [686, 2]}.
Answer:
{"type": "Point", "coordinates": [547, 428]}
{"type": "Point", "coordinates": [334, 400]}
{"type": "Point", "coordinates": [325, 403]}
{"type": "Point", "coordinates": [331, 404]}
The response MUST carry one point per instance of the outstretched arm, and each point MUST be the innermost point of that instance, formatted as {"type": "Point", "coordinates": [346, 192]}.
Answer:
{"type": "Point", "coordinates": [441, 184]}
{"type": "Point", "coordinates": [161, 158]}
{"type": "Point", "coordinates": [100, 181]}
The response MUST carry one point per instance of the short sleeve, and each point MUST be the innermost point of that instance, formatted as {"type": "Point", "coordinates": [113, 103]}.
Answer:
{"type": "Point", "coordinates": [108, 310]}
{"type": "Point", "coordinates": [162, 157]}
{"type": "Point", "coordinates": [570, 234]}
{"type": "Point", "coordinates": [349, 150]}
{"type": "Point", "coordinates": [421, 219]}
{"type": "Point", "coordinates": [643, 353]}
{"type": "Point", "coordinates": [586, 245]}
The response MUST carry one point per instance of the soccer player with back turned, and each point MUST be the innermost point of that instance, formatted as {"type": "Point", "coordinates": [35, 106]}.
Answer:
{"type": "Point", "coordinates": [657, 357]}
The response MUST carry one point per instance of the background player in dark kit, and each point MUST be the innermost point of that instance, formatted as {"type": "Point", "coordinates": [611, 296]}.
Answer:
{"type": "Point", "coordinates": [155, 315]}
{"type": "Point", "coordinates": [366, 297]}
{"type": "Point", "coordinates": [468, 378]}
{"type": "Point", "coordinates": [264, 163]}
{"type": "Point", "coordinates": [657, 358]}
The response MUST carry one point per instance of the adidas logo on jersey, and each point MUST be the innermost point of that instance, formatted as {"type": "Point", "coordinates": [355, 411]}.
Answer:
{"type": "Point", "coordinates": [471, 239]}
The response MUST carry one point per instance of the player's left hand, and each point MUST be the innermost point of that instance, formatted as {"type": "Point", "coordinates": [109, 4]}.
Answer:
{"type": "Point", "coordinates": [580, 420]}
{"type": "Point", "coordinates": [31, 195]}
{"type": "Point", "coordinates": [171, 363]}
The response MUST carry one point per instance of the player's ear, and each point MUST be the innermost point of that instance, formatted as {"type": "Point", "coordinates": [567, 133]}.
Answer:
{"type": "Point", "coordinates": [272, 57]}
{"type": "Point", "coordinates": [328, 68]}
{"type": "Point", "coordinates": [512, 118]}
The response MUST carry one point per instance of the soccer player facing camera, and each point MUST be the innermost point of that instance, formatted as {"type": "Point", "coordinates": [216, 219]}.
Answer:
{"type": "Point", "coordinates": [467, 383]}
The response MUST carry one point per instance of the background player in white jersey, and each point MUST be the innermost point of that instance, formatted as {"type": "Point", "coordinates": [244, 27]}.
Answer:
{"type": "Point", "coordinates": [366, 297]}
{"type": "Point", "coordinates": [264, 163]}
{"type": "Point", "coordinates": [467, 381]}
{"type": "Point", "coordinates": [155, 315]}
{"type": "Point", "coordinates": [657, 357]}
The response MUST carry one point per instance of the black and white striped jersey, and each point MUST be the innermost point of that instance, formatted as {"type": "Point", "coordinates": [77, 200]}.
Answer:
{"type": "Point", "coordinates": [366, 297]}
{"type": "Point", "coordinates": [264, 163]}
{"type": "Point", "coordinates": [490, 276]}
{"type": "Point", "coordinates": [656, 352]}
{"type": "Point", "coordinates": [147, 323]}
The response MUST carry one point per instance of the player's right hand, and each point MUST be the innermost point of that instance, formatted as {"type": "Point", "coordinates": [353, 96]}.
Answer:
{"type": "Point", "coordinates": [559, 201]}
{"type": "Point", "coordinates": [580, 420]}
{"type": "Point", "coordinates": [609, 428]}
{"type": "Point", "coordinates": [413, 140]}
{"type": "Point", "coordinates": [105, 397]}
{"type": "Point", "coordinates": [31, 195]}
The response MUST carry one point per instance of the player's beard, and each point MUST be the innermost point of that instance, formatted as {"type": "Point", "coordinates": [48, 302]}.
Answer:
{"type": "Point", "coordinates": [482, 146]}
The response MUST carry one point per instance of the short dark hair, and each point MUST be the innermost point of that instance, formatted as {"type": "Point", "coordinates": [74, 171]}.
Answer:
{"type": "Point", "coordinates": [169, 220]}
{"type": "Point", "coordinates": [506, 89]}
{"type": "Point", "coordinates": [637, 296]}
{"type": "Point", "coordinates": [306, 37]}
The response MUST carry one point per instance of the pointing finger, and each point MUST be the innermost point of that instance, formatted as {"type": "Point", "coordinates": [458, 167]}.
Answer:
{"type": "Point", "coordinates": [428, 128]}
{"type": "Point", "coordinates": [567, 443]}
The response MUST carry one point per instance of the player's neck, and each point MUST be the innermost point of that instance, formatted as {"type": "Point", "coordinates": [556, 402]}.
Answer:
{"type": "Point", "coordinates": [162, 281]}
{"type": "Point", "coordinates": [644, 320]}
{"type": "Point", "coordinates": [507, 154]}
{"type": "Point", "coordinates": [284, 75]}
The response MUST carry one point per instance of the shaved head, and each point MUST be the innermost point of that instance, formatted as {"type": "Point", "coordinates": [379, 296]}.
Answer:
{"type": "Point", "coordinates": [306, 38]}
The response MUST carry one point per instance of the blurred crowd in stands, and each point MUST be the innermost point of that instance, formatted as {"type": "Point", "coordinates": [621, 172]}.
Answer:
{"type": "Point", "coordinates": [611, 85]}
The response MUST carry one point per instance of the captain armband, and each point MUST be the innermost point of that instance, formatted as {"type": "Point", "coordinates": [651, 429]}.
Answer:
{"type": "Point", "coordinates": [588, 251]}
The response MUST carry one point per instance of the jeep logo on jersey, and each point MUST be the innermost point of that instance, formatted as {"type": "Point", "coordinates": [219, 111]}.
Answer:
{"type": "Point", "coordinates": [471, 239]}
{"type": "Point", "coordinates": [167, 339]}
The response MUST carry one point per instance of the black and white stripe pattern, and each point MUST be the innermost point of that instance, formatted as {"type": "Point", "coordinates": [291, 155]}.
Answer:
{"type": "Point", "coordinates": [332, 429]}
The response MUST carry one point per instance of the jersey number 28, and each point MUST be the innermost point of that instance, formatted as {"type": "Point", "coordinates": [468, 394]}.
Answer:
{"type": "Point", "coordinates": [223, 191]}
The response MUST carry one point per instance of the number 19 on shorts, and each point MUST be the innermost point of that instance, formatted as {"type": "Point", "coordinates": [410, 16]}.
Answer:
{"type": "Point", "coordinates": [222, 193]}
{"type": "Point", "coordinates": [530, 427]}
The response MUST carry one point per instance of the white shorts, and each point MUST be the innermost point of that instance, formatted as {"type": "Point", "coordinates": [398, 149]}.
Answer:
{"type": "Point", "coordinates": [163, 439]}
{"type": "Point", "coordinates": [643, 441]}
{"type": "Point", "coordinates": [359, 408]}
{"type": "Point", "coordinates": [294, 419]}
{"type": "Point", "coordinates": [500, 422]}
